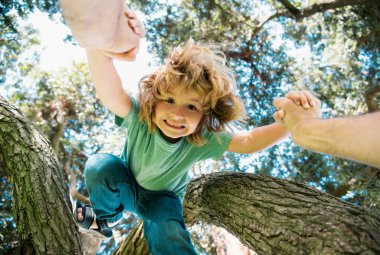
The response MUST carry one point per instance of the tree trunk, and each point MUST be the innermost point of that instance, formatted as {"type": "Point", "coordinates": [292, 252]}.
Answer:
{"type": "Point", "coordinates": [275, 216]}
{"type": "Point", "coordinates": [41, 204]}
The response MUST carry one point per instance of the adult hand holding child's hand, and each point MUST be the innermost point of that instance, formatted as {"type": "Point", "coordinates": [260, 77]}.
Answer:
{"type": "Point", "coordinates": [295, 107]}
{"type": "Point", "coordinates": [104, 25]}
{"type": "Point", "coordinates": [138, 29]}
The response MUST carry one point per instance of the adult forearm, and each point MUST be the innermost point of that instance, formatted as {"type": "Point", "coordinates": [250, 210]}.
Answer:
{"type": "Point", "coordinates": [96, 24]}
{"type": "Point", "coordinates": [356, 138]}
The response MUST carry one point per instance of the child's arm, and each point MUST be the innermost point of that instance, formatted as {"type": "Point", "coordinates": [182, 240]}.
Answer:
{"type": "Point", "coordinates": [107, 82]}
{"type": "Point", "coordinates": [266, 136]}
{"type": "Point", "coordinates": [257, 139]}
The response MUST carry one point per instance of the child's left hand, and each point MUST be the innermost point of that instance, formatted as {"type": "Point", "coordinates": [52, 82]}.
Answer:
{"type": "Point", "coordinates": [301, 98]}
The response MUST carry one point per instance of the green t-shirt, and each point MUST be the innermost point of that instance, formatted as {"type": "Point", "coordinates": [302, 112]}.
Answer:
{"type": "Point", "coordinates": [159, 165]}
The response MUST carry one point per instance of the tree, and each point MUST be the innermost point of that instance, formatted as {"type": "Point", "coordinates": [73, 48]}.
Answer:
{"type": "Point", "coordinates": [64, 108]}
{"type": "Point", "coordinates": [16, 39]}
{"type": "Point", "coordinates": [41, 207]}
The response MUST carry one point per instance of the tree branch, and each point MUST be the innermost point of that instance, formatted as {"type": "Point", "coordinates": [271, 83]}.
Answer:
{"type": "Point", "coordinates": [275, 216]}
{"type": "Point", "coordinates": [291, 8]}
{"type": "Point", "coordinates": [272, 215]}
{"type": "Point", "coordinates": [322, 6]}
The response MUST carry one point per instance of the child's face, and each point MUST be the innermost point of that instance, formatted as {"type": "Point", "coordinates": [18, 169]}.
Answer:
{"type": "Point", "coordinates": [179, 113]}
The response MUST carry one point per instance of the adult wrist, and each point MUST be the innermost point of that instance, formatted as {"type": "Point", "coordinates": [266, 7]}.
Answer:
{"type": "Point", "coordinates": [302, 132]}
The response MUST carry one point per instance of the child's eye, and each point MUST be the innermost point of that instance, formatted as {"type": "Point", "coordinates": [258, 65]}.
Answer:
{"type": "Point", "coordinates": [170, 100]}
{"type": "Point", "coordinates": [191, 107]}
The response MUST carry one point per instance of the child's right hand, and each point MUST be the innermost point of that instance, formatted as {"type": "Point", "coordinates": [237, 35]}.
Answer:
{"type": "Point", "coordinates": [301, 98]}
{"type": "Point", "coordinates": [138, 28]}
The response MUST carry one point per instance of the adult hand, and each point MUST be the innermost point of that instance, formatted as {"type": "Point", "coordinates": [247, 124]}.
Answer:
{"type": "Point", "coordinates": [104, 25]}
{"type": "Point", "coordinates": [290, 114]}
{"type": "Point", "coordinates": [138, 29]}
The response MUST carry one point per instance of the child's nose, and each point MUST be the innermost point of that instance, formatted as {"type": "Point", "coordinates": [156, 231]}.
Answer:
{"type": "Point", "coordinates": [176, 116]}
{"type": "Point", "coordinates": [177, 113]}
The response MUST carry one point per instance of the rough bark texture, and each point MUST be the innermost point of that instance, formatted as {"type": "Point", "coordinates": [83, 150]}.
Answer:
{"type": "Point", "coordinates": [274, 216]}
{"type": "Point", "coordinates": [41, 204]}
{"type": "Point", "coordinates": [135, 243]}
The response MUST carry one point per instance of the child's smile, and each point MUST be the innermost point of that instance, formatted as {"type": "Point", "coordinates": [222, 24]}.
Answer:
{"type": "Point", "coordinates": [178, 114]}
{"type": "Point", "coordinates": [174, 125]}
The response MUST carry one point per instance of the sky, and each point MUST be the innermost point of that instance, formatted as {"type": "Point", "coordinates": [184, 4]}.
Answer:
{"type": "Point", "coordinates": [57, 53]}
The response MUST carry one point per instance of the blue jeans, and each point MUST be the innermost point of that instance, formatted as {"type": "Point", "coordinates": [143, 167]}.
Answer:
{"type": "Point", "coordinates": [113, 188]}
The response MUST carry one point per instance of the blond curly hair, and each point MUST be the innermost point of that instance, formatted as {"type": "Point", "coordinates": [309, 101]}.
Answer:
{"type": "Point", "coordinates": [203, 69]}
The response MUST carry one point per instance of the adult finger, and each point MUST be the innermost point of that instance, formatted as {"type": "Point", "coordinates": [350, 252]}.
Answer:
{"type": "Point", "coordinates": [303, 99]}
{"type": "Point", "coordinates": [280, 102]}
{"type": "Point", "coordinates": [137, 26]}
{"type": "Point", "coordinates": [310, 98]}
{"type": "Point", "coordinates": [294, 96]}
{"type": "Point", "coordinates": [130, 14]}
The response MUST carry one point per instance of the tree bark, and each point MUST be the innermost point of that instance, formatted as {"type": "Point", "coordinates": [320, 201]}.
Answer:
{"type": "Point", "coordinates": [275, 216]}
{"type": "Point", "coordinates": [135, 242]}
{"type": "Point", "coordinates": [41, 204]}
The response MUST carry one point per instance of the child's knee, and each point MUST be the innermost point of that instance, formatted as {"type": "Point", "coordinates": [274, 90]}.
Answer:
{"type": "Point", "coordinates": [98, 166]}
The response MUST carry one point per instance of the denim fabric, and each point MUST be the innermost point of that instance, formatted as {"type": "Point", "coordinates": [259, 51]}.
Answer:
{"type": "Point", "coordinates": [112, 189]}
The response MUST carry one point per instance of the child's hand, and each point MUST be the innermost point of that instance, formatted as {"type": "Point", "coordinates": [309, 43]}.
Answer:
{"type": "Point", "coordinates": [301, 98]}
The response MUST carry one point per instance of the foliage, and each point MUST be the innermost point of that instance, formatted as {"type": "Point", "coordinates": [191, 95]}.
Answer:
{"type": "Point", "coordinates": [16, 39]}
